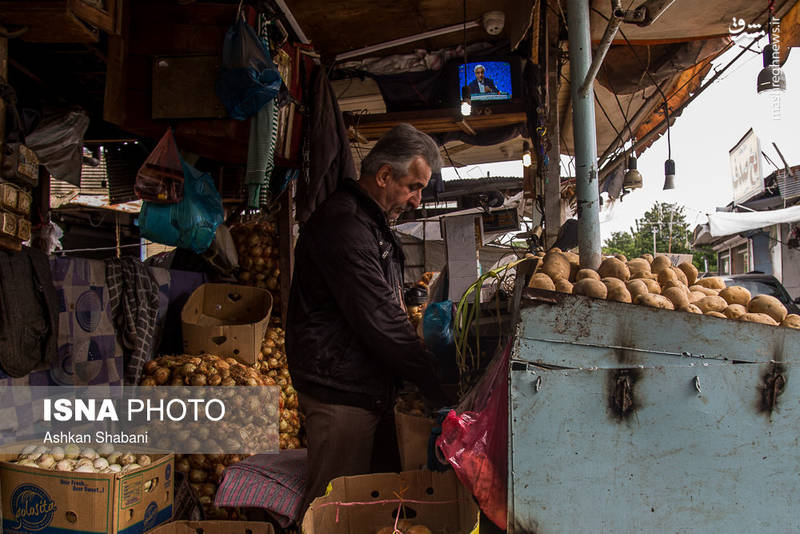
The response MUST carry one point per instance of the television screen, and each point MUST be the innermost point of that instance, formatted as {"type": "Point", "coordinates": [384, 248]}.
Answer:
{"type": "Point", "coordinates": [486, 80]}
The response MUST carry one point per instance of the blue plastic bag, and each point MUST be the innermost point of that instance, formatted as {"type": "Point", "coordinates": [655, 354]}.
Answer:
{"type": "Point", "coordinates": [248, 79]}
{"type": "Point", "coordinates": [437, 327]}
{"type": "Point", "coordinates": [189, 224]}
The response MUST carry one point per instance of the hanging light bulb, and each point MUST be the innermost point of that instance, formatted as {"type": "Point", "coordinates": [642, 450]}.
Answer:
{"type": "Point", "coordinates": [526, 154]}
{"type": "Point", "coordinates": [771, 79]}
{"type": "Point", "coordinates": [466, 107]}
{"type": "Point", "coordinates": [669, 175]}
{"type": "Point", "coordinates": [632, 178]}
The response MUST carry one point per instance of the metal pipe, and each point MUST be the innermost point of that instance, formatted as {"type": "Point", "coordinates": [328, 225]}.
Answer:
{"type": "Point", "coordinates": [405, 40]}
{"type": "Point", "coordinates": [583, 126]}
{"type": "Point", "coordinates": [292, 21]}
{"type": "Point", "coordinates": [605, 43]}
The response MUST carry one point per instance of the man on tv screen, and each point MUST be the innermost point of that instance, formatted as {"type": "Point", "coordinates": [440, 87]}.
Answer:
{"type": "Point", "coordinates": [481, 84]}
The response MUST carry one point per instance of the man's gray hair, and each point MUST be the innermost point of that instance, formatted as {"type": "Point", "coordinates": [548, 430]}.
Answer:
{"type": "Point", "coordinates": [478, 67]}
{"type": "Point", "coordinates": [398, 148]}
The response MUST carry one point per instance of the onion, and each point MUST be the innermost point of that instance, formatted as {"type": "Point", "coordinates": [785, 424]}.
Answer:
{"type": "Point", "coordinates": [45, 461]}
{"type": "Point", "coordinates": [85, 468]}
{"type": "Point", "coordinates": [161, 375]}
{"type": "Point", "coordinates": [114, 468]}
{"type": "Point", "coordinates": [197, 476]}
{"type": "Point", "coordinates": [58, 454]}
{"type": "Point", "coordinates": [89, 453]}
{"type": "Point", "coordinates": [130, 467]}
{"type": "Point", "coordinates": [114, 457]}
{"type": "Point", "coordinates": [64, 465]}
{"type": "Point", "coordinates": [105, 450]}
{"type": "Point", "coordinates": [71, 451]}
{"type": "Point", "coordinates": [127, 459]}
{"type": "Point", "coordinates": [143, 460]}
{"type": "Point", "coordinates": [182, 466]}
{"type": "Point", "coordinates": [100, 464]}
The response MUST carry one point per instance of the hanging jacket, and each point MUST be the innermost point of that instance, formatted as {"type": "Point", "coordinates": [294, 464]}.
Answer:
{"type": "Point", "coordinates": [348, 338]}
{"type": "Point", "coordinates": [28, 312]}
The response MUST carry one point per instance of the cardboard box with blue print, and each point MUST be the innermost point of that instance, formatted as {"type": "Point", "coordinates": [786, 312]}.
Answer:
{"type": "Point", "coordinates": [44, 501]}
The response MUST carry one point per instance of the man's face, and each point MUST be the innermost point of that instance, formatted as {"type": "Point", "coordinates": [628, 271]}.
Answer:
{"type": "Point", "coordinates": [405, 193]}
{"type": "Point", "coordinates": [479, 74]}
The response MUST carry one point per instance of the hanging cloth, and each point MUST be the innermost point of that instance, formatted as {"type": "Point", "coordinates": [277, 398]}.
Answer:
{"type": "Point", "coordinates": [261, 147]}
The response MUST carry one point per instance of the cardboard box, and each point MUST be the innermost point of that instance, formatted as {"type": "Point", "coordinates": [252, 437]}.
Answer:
{"type": "Point", "coordinates": [413, 432]}
{"type": "Point", "coordinates": [40, 501]}
{"type": "Point", "coordinates": [226, 320]}
{"type": "Point", "coordinates": [214, 527]}
{"type": "Point", "coordinates": [448, 507]}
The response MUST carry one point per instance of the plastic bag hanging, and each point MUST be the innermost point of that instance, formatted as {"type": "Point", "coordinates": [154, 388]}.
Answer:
{"type": "Point", "coordinates": [160, 178]}
{"type": "Point", "coordinates": [191, 223]}
{"type": "Point", "coordinates": [248, 78]}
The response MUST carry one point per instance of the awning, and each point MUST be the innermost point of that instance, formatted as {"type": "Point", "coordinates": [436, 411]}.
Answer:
{"type": "Point", "coordinates": [722, 223]}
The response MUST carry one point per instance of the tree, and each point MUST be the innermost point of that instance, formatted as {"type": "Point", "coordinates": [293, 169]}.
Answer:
{"type": "Point", "coordinates": [667, 223]}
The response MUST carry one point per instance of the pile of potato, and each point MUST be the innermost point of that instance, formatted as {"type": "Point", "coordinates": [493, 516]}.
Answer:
{"type": "Point", "coordinates": [105, 459]}
{"type": "Point", "coordinates": [272, 365]}
{"type": "Point", "coordinates": [655, 282]}
{"type": "Point", "coordinates": [204, 472]}
{"type": "Point", "coordinates": [258, 247]}
{"type": "Point", "coordinates": [404, 526]}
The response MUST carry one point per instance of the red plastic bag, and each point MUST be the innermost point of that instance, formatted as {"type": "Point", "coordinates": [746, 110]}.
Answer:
{"type": "Point", "coordinates": [475, 442]}
{"type": "Point", "coordinates": [160, 178]}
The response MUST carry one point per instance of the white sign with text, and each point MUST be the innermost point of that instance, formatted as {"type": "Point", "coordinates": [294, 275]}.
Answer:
{"type": "Point", "coordinates": [746, 171]}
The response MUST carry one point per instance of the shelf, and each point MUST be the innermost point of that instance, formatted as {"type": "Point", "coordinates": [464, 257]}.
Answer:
{"type": "Point", "coordinates": [438, 120]}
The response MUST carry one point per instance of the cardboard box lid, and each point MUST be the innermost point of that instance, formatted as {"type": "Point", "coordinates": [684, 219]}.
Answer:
{"type": "Point", "coordinates": [214, 527]}
{"type": "Point", "coordinates": [226, 304]}
{"type": "Point", "coordinates": [446, 507]}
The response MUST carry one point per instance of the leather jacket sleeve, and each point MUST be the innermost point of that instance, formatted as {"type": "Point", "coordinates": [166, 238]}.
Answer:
{"type": "Point", "coordinates": [372, 309]}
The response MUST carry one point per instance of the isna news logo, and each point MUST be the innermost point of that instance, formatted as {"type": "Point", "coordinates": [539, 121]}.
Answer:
{"type": "Point", "coordinates": [32, 507]}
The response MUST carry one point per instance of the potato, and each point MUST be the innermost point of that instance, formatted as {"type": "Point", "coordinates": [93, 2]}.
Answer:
{"type": "Point", "coordinates": [792, 321]}
{"type": "Point", "coordinates": [652, 286]}
{"type": "Point", "coordinates": [681, 276]}
{"type": "Point", "coordinates": [556, 265]}
{"type": "Point", "coordinates": [590, 288]}
{"type": "Point", "coordinates": [572, 257]}
{"type": "Point", "coordinates": [563, 286]}
{"type": "Point", "coordinates": [735, 295]}
{"type": "Point", "coordinates": [694, 296]}
{"type": "Point", "coordinates": [644, 274]}
{"type": "Point", "coordinates": [587, 273]}
{"type": "Point", "coordinates": [613, 282]}
{"type": "Point", "coordinates": [678, 284]}
{"type": "Point", "coordinates": [762, 318]}
{"type": "Point", "coordinates": [654, 301]}
{"type": "Point", "coordinates": [769, 305]}
{"type": "Point", "coordinates": [691, 308]}
{"type": "Point", "coordinates": [618, 293]}
{"type": "Point", "coordinates": [636, 288]}
{"type": "Point", "coordinates": [666, 275]}
{"type": "Point", "coordinates": [711, 303]}
{"type": "Point", "coordinates": [716, 314]}
{"type": "Point", "coordinates": [690, 271]}
{"type": "Point", "coordinates": [418, 529]}
{"type": "Point", "coordinates": [621, 257]}
{"type": "Point", "coordinates": [573, 271]}
{"type": "Point", "coordinates": [734, 311]}
{"type": "Point", "coordinates": [660, 263]}
{"type": "Point", "coordinates": [542, 281]}
{"type": "Point", "coordinates": [648, 257]}
{"type": "Point", "coordinates": [637, 265]}
{"type": "Point", "coordinates": [712, 282]}
{"type": "Point", "coordinates": [707, 291]}
{"type": "Point", "coordinates": [677, 296]}
{"type": "Point", "coordinates": [614, 268]}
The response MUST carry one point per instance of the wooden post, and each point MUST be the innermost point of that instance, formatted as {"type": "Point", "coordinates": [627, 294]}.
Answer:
{"type": "Point", "coordinates": [552, 175]}
{"type": "Point", "coordinates": [4, 75]}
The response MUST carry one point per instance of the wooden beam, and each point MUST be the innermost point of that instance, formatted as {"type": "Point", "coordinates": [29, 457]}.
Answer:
{"type": "Point", "coordinates": [552, 174]}
{"type": "Point", "coordinates": [439, 120]}
{"type": "Point", "coordinates": [47, 22]}
{"type": "Point", "coordinates": [106, 19]}
{"type": "Point", "coordinates": [4, 75]}
{"type": "Point", "coordinates": [465, 127]}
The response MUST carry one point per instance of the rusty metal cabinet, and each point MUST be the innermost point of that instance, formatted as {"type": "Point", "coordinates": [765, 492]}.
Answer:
{"type": "Point", "coordinates": [630, 419]}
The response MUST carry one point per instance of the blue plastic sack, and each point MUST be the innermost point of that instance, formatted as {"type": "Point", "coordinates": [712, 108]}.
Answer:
{"type": "Point", "coordinates": [248, 79]}
{"type": "Point", "coordinates": [437, 326]}
{"type": "Point", "coordinates": [189, 224]}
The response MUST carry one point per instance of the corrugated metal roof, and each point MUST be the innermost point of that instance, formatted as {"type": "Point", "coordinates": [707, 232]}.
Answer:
{"type": "Point", "coordinates": [789, 184]}
{"type": "Point", "coordinates": [94, 181]}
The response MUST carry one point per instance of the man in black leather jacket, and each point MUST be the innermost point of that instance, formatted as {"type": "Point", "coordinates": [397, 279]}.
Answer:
{"type": "Point", "coordinates": [348, 338]}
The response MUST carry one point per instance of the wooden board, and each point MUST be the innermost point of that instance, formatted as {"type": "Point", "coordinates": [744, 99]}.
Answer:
{"type": "Point", "coordinates": [183, 87]}
{"type": "Point", "coordinates": [48, 22]}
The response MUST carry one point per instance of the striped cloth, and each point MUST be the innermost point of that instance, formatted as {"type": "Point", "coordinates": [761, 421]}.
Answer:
{"type": "Point", "coordinates": [274, 482]}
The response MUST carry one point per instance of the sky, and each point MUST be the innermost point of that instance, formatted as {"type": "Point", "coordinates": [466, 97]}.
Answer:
{"type": "Point", "coordinates": [701, 138]}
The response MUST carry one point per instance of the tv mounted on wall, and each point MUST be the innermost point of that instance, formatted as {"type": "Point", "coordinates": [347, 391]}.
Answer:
{"type": "Point", "coordinates": [486, 81]}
